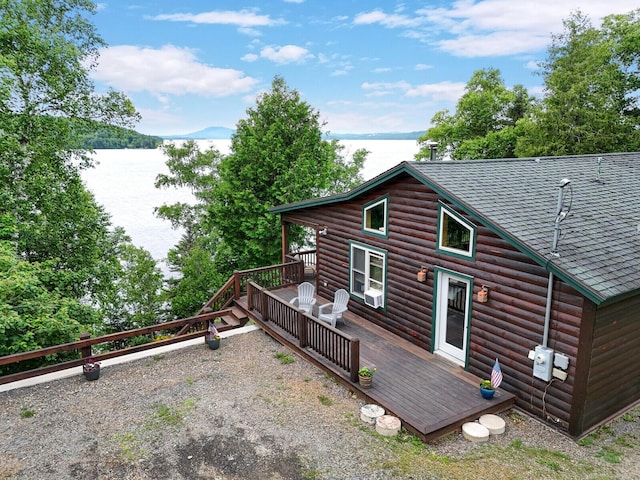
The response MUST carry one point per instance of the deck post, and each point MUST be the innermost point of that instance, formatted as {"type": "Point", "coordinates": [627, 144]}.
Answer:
{"type": "Point", "coordinates": [236, 284]}
{"type": "Point", "coordinates": [355, 359]}
{"type": "Point", "coordinates": [302, 329]}
{"type": "Point", "coordinates": [285, 239]}
{"type": "Point", "coordinates": [263, 305]}
{"type": "Point", "coordinates": [85, 351]}
{"type": "Point", "coordinates": [250, 295]}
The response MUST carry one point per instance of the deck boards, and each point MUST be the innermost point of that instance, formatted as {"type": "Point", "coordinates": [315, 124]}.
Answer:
{"type": "Point", "coordinates": [431, 396]}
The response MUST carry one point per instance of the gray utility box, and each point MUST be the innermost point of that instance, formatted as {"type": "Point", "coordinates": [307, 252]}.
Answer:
{"type": "Point", "coordinates": [543, 363]}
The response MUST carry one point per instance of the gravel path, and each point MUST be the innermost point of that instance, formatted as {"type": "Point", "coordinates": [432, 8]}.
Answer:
{"type": "Point", "coordinates": [243, 412]}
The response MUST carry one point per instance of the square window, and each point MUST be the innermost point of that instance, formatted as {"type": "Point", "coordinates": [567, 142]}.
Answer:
{"type": "Point", "coordinates": [374, 217]}
{"type": "Point", "coordinates": [456, 236]}
{"type": "Point", "coordinates": [368, 274]}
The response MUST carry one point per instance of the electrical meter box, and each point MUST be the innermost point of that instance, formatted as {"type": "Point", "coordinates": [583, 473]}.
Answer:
{"type": "Point", "coordinates": [543, 363]}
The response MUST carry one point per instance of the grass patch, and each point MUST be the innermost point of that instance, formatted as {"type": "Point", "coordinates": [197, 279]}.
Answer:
{"type": "Point", "coordinates": [284, 358]}
{"type": "Point", "coordinates": [626, 441]}
{"type": "Point", "coordinates": [311, 474]}
{"type": "Point", "coordinates": [173, 416]}
{"type": "Point", "coordinates": [609, 454]}
{"type": "Point", "coordinates": [26, 412]}
{"type": "Point", "coordinates": [129, 445]}
{"type": "Point", "coordinates": [169, 415]}
{"type": "Point", "coordinates": [408, 457]}
{"type": "Point", "coordinates": [190, 381]}
{"type": "Point", "coordinates": [324, 400]}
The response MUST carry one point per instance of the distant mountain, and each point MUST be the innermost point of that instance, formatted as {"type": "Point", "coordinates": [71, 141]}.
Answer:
{"type": "Point", "coordinates": [375, 136]}
{"type": "Point", "coordinates": [210, 133]}
{"type": "Point", "coordinates": [222, 133]}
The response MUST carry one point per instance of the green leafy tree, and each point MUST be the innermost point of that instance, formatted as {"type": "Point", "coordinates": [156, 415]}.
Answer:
{"type": "Point", "coordinates": [277, 156]}
{"type": "Point", "coordinates": [135, 298]}
{"type": "Point", "coordinates": [592, 87]}
{"type": "Point", "coordinates": [192, 259]}
{"type": "Point", "coordinates": [32, 316]}
{"type": "Point", "coordinates": [484, 123]}
{"type": "Point", "coordinates": [47, 49]}
{"type": "Point", "coordinates": [66, 259]}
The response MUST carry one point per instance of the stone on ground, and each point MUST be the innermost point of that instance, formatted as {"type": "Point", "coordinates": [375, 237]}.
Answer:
{"type": "Point", "coordinates": [388, 425]}
{"type": "Point", "coordinates": [370, 413]}
{"type": "Point", "coordinates": [474, 432]}
{"type": "Point", "coordinates": [494, 423]}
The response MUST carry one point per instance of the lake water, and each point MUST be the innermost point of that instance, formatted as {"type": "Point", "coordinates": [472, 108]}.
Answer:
{"type": "Point", "coordinates": [123, 182]}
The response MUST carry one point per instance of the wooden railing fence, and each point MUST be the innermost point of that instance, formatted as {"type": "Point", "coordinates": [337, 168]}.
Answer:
{"type": "Point", "coordinates": [273, 276]}
{"type": "Point", "coordinates": [335, 346]}
{"type": "Point", "coordinates": [83, 346]}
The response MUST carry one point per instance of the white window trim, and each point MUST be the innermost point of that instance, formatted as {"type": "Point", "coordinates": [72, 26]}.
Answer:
{"type": "Point", "coordinates": [368, 251]}
{"type": "Point", "coordinates": [469, 226]}
{"type": "Point", "coordinates": [383, 231]}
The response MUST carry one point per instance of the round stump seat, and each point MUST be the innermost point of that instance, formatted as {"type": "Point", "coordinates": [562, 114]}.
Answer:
{"type": "Point", "coordinates": [388, 425]}
{"type": "Point", "coordinates": [474, 432]}
{"type": "Point", "coordinates": [370, 413]}
{"type": "Point", "coordinates": [494, 423]}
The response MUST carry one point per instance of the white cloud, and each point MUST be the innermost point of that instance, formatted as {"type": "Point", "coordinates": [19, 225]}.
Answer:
{"type": "Point", "coordinates": [250, 57]}
{"type": "Point", "coordinates": [442, 92]}
{"type": "Point", "coordinates": [168, 70]}
{"type": "Point", "coordinates": [492, 44]}
{"type": "Point", "coordinates": [285, 54]}
{"type": "Point", "coordinates": [533, 65]}
{"type": "Point", "coordinates": [379, 87]}
{"type": "Point", "coordinates": [381, 70]}
{"type": "Point", "coordinates": [250, 32]}
{"type": "Point", "coordinates": [422, 66]}
{"type": "Point", "coordinates": [241, 18]}
{"type": "Point", "coordinates": [478, 28]}
{"type": "Point", "coordinates": [386, 19]}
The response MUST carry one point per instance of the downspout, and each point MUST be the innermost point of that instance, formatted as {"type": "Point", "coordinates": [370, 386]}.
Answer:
{"type": "Point", "coordinates": [547, 313]}
{"type": "Point", "coordinates": [560, 216]}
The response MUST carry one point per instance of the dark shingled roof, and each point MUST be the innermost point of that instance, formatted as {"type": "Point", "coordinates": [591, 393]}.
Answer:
{"type": "Point", "coordinates": [599, 246]}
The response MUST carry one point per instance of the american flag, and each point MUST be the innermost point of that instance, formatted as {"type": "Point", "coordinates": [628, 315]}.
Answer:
{"type": "Point", "coordinates": [496, 375]}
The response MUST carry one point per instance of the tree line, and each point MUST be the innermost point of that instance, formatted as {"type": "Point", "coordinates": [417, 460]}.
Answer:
{"type": "Point", "coordinates": [95, 135]}
{"type": "Point", "coordinates": [589, 104]}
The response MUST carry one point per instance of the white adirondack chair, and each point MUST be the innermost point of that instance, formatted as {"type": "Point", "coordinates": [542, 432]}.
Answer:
{"type": "Point", "coordinates": [332, 312]}
{"type": "Point", "coordinates": [305, 299]}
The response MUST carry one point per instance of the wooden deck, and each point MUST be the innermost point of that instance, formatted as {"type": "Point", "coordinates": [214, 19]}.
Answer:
{"type": "Point", "coordinates": [430, 395]}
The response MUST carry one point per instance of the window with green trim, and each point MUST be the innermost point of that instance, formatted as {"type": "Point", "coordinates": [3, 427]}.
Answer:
{"type": "Point", "coordinates": [367, 268]}
{"type": "Point", "coordinates": [455, 234]}
{"type": "Point", "coordinates": [374, 217]}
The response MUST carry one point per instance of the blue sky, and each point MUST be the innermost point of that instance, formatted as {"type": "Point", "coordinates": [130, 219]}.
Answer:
{"type": "Point", "coordinates": [366, 66]}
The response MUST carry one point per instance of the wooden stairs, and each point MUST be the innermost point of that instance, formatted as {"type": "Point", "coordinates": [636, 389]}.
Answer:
{"type": "Point", "coordinates": [229, 318]}
{"type": "Point", "coordinates": [236, 318]}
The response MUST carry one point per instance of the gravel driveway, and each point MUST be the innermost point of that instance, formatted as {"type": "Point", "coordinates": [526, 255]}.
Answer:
{"type": "Point", "coordinates": [252, 410]}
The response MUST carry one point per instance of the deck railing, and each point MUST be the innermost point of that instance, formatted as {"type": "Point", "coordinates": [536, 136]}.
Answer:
{"type": "Point", "coordinates": [270, 277]}
{"type": "Point", "coordinates": [273, 276]}
{"type": "Point", "coordinates": [192, 327]}
{"type": "Point", "coordinates": [335, 346]}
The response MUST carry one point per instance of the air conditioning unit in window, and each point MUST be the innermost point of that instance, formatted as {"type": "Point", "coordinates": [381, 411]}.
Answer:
{"type": "Point", "coordinates": [373, 298]}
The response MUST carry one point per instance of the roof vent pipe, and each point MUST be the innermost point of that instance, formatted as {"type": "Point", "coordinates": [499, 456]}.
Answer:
{"type": "Point", "coordinates": [433, 149]}
{"type": "Point", "coordinates": [560, 216]}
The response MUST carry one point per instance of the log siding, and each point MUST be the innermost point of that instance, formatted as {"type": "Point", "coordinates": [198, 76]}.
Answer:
{"type": "Point", "coordinates": [507, 327]}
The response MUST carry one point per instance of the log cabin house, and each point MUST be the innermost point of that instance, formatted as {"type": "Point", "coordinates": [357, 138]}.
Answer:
{"type": "Point", "coordinates": [532, 261]}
